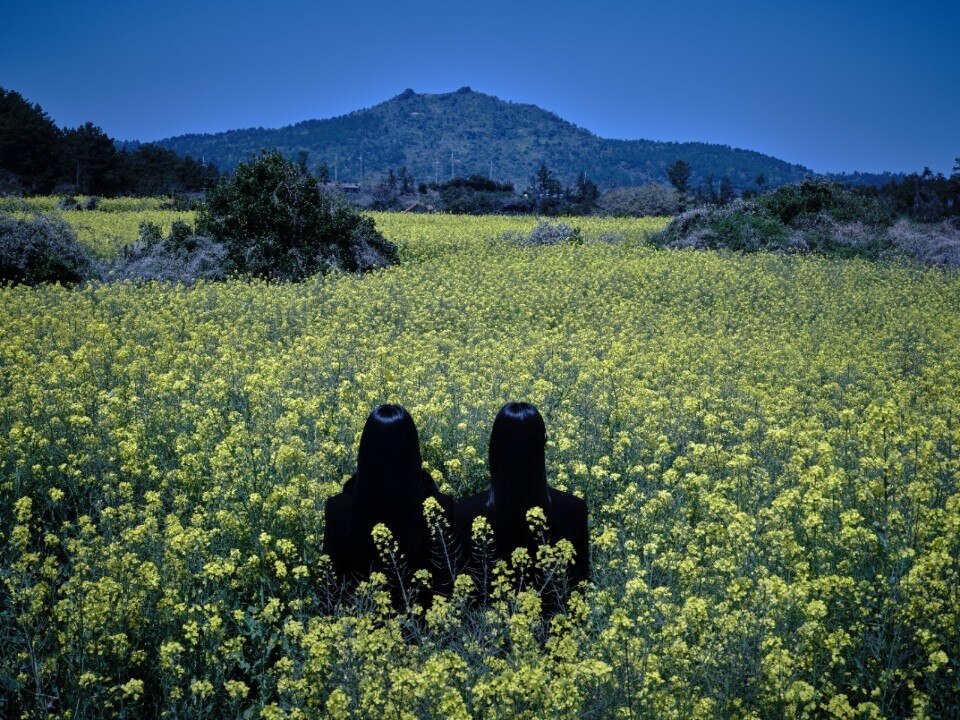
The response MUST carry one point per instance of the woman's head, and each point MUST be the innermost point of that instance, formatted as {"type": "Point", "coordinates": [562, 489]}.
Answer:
{"type": "Point", "coordinates": [389, 455]}
{"type": "Point", "coordinates": [518, 470]}
{"type": "Point", "coordinates": [389, 483]}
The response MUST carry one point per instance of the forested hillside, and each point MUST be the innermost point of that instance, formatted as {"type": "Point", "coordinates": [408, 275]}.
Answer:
{"type": "Point", "coordinates": [467, 132]}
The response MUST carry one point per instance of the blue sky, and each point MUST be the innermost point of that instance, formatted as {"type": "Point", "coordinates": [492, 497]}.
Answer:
{"type": "Point", "coordinates": [834, 86]}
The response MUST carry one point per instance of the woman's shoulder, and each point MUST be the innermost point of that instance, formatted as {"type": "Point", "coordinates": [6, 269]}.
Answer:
{"type": "Point", "coordinates": [567, 506]}
{"type": "Point", "coordinates": [343, 499]}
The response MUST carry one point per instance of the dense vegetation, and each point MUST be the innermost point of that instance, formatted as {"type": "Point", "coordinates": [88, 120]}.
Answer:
{"type": "Point", "coordinates": [464, 133]}
{"type": "Point", "coordinates": [474, 195]}
{"type": "Point", "coordinates": [275, 222]}
{"type": "Point", "coordinates": [42, 250]}
{"type": "Point", "coordinates": [924, 196]}
{"type": "Point", "coordinates": [827, 218]}
{"type": "Point", "coordinates": [270, 219]}
{"type": "Point", "coordinates": [767, 443]}
{"type": "Point", "coordinates": [36, 156]}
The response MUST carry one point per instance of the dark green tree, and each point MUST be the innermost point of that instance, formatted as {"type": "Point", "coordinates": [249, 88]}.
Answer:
{"type": "Point", "coordinates": [707, 192]}
{"type": "Point", "coordinates": [276, 222]}
{"type": "Point", "coordinates": [584, 198]}
{"type": "Point", "coordinates": [679, 176]}
{"type": "Point", "coordinates": [726, 193]}
{"type": "Point", "coordinates": [29, 143]}
{"type": "Point", "coordinates": [386, 193]}
{"type": "Point", "coordinates": [93, 161]}
{"type": "Point", "coordinates": [39, 156]}
{"type": "Point", "coordinates": [546, 191]}
{"type": "Point", "coordinates": [405, 180]}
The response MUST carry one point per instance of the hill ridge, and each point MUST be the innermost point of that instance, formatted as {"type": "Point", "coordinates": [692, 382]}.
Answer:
{"type": "Point", "coordinates": [464, 132]}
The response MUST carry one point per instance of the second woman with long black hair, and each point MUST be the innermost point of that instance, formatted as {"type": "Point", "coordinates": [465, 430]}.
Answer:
{"type": "Point", "coordinates": [389, 488]}
{"type": "Point", "coordinates": [518, 483]}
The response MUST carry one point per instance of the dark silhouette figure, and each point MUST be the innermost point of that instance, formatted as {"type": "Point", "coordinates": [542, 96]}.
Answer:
{"type": "Point", "coordinates": [518, 482]}
{"type": "Point", "coordinates": [389, 487]}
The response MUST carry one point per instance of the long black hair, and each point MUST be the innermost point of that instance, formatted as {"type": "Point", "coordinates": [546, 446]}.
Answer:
{"type": "Point", "coordinates": [389, 485]}
{"type": "Point", "coordinates": [518, 474]}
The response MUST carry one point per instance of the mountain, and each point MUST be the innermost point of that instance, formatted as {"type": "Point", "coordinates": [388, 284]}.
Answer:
{"type": "Point", "coordinates": [467, 132]}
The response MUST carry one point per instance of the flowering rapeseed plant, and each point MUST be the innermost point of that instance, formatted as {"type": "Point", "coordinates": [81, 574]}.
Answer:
{"type": "Point", "coordinates": [768, 447]}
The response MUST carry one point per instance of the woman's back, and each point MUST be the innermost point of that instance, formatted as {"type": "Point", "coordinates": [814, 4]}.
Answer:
{"type": "Point", "coordinates": [353, 553]}
{"type": "Point", "coordinates": [518, 484]}
{"type": "Point", "coordinates": [566, 520]}
{"type": "Point", "coordinates": [389, 488]}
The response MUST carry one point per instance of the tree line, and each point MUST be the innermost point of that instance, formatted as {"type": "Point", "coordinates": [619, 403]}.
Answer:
{"type": "Point", "coordinates": [38, 157]}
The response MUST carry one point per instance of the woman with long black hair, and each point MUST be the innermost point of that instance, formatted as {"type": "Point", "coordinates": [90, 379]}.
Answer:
{"type": "Point", "coordinates": [518, 483]}
{"type": "Point", "coordinates": [389, 487]}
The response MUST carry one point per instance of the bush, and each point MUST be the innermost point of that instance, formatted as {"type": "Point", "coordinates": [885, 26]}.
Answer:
{"type": "Point", "coordinates": [181, 257]}
{"type": "Point", "coordinates": [150, 232]}
{"type": "Point", "coordinates": [275, 222]}
{"type": "Point", "coordinates": [180, 233]}
{"type": "Point", "coordinates": [825, 235]}
{"type": "Point", "coordinates": [931, 244]}
{"type": "Point", "coordinates": [644, 200]}
{"type": "Point", "coordinates": [68, 202]}
{"type": "Point", "coordinates": [463, 200]}
{"type": "Point", "coordinates": [42, 249]}
{"type": "Point", "coordinates": [738, 226]}
{"type": "Point", "coordinates": [793, 204]}
{"type": "Point", "coordinates": [86, 202]}
{"type": "Point", "coordinates": [546, 233]}
{"type": "Point", "coordinates": [815, 216]}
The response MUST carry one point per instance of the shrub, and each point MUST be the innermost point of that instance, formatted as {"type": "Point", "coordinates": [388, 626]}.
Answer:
{"type": "Point", "coordinates": [42, 249]}
{"type": "Point", "coordinates": [931, 244]}
{"type": "Point", "coordinates": [181, 257]}
{"type": "Point", "coordinates": [651, 199]}
{"type": "Point", "coordinates": [546, 233]}
{"type": "Point", "coordinates": [182, 202]}
{"type": "Point", "coordinates": [738, 226]}
{"type": "Point", "coordinates": [150, 232]}
{"type": "Point", "coordinates": [815, 216]}
{"type": "Point", "coordinates": [85, 202]}
{"type": "Point", "coordinates": [793, 204]}
{"type": "Point", "coordinates": [823, 234]}
{"type": "Point", "coordinates": [464, 200]}
{"type": "Point", "coordinates": [180, 233]}
{"type": "Point", "coordinates": [68, 202]}
{"type": "Point", "coordinates": [275, 222]}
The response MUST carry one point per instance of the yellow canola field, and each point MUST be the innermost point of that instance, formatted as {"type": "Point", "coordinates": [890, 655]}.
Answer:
{"type": "Point", "coordinates": [768, 446]}
{"type": "Point", "coordinates": [104, 232]}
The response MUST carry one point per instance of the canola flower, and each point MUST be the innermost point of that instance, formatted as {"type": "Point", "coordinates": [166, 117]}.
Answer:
{"type": "Point", "coordinates": [768, 447]}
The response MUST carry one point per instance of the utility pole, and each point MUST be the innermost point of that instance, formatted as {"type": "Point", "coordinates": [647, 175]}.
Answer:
{"type": "Point", "coordinates": [491, 170]}
{"type": "Point", "coordinates": [451, 164]}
